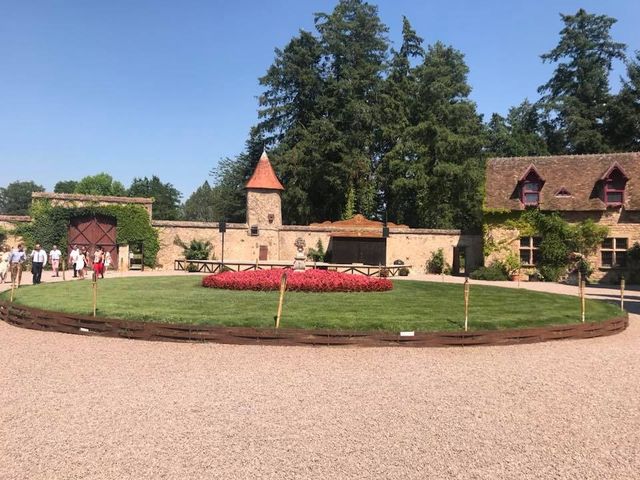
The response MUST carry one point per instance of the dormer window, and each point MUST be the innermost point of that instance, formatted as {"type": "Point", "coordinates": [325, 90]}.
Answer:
{"type": "Point", "coordinates": [530, 186]}
{"type": "Point", "coordinates": [614, 182]}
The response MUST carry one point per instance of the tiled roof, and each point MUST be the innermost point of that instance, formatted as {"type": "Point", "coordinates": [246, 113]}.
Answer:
{"type": "Point", "coordinates": [264, 176]}
{"type": "Point", "coordinates": [355, 223]}
{"type": "Point", "coordinates": [580, 175]}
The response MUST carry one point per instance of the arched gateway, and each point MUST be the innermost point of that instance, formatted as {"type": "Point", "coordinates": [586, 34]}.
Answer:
{"type": "Point", "coordinates": [93, 230]}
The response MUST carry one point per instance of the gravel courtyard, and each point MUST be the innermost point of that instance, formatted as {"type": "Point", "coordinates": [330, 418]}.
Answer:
{"type": "Point", "coordinates": [84, 407]}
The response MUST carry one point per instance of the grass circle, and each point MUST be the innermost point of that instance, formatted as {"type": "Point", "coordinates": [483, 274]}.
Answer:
{"type": "Point", "coordinates": [411, 305]}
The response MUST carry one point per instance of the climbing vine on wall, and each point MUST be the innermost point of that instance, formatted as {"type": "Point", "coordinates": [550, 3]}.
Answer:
{"type": "Point", "coordinates": [562, 242]}
{"type": "Point", "coordinates": [49, 225]}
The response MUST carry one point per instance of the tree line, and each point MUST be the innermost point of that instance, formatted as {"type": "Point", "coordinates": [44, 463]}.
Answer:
{"type": "Point", "coordinates": [354, 125]}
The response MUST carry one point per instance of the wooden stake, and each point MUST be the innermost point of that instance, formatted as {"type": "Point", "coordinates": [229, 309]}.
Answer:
{"type": "Point", "coordinates": [579, 280]}
{"type": "Point", "coordinates": [13, 287]}
{"type": "Point", "coordinates": [519, 275]}
{"type": "Point", "coordinates": [622, 283]}
{"type": "Point", "coordinates": [283, 287]}
{"type": "Point", "coordinates": [64, 269]}
{"type": "Point", "coordinates": [582, 300]}
{"type": "Point", "coordinates": [466, 304]}
{"type": "Point", "coordinates": [95, 293]}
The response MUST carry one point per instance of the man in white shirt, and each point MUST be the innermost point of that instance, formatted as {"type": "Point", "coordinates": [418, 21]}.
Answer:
{"type": "Point", "coordinates": [38, 261]}
{"type": "Point", "coordinates": [73, 259]}
{"type": "Point", "coordinates": [54, 257]}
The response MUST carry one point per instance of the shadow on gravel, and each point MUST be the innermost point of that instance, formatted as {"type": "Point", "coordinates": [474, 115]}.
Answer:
{"type": "Point", "coordinates": [631, 302]}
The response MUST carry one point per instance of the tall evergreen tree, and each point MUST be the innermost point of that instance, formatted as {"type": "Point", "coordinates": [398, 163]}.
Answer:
{"type": "Point", "coordinates": [519, 134]}
{"type": "Point", "coordinates": [291, 108]}
{"type": "Point", "coordinates": [200, 206]}
{"type": "Point", "coordinates": [355, 52]}
{"type": "Point", "coordinates": [576, 96]}
{"type": "Point", "coordinates": [440, 163]}
{"type": "Point", "coordinates": [399, 91]}
{"type": "Point", "coordinates": [623, 120]}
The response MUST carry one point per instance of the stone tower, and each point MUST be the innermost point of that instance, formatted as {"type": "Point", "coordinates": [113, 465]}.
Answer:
{"type": "Point", "coordinates": [264, 205]}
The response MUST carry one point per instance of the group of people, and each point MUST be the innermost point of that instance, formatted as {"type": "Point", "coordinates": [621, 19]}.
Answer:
{"type": "Point", "coordinates": [11, 261]}
{"type": "Point", "coordinates": [80, 259]}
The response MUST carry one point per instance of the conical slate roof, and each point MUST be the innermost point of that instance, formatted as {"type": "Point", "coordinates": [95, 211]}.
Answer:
{"type": "Point", "coordinates": [263, 176]}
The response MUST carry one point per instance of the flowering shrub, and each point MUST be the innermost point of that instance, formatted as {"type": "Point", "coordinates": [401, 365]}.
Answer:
{"type": "Point", "coordinates": [309, 281]}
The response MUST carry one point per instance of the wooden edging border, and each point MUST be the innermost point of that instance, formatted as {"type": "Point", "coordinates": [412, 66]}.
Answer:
{"type": "Point", "coordinates": [35, 319]}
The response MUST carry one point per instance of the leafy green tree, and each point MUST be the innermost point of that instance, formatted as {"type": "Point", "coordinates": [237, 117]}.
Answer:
{"type": "Point", "coordinates": [576, 97]}
{"type": "Point", "coordinates": [15, 198]}
{"type": "Point", "coordinates": [166, 205]}
{"type": "Point", "coordinates": [100, 184]}
{"type": "Point", "coordinates": [623, 119]}
{"type": "Point", "coordinates": [65, 186]}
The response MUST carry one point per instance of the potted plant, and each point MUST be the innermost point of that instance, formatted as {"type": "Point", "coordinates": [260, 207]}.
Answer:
{"type": "Point", "coordinates": [512, 264]}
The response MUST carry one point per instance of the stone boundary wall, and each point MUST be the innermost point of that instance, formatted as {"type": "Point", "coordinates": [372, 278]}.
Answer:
{"type": "Point", "coordinates": [35, 319]}
{"type": "Point", "coordinates": [412, 246]}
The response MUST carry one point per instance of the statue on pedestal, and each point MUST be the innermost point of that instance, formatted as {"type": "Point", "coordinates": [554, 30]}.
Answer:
{"type": "Point", "coordinates": [299, 263]}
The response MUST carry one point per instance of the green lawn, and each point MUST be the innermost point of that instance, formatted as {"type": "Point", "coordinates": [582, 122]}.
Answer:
{"type": "Point", "coordinates": [418, 306]}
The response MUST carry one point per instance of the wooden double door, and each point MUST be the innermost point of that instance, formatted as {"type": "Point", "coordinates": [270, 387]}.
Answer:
{"type": "Point", "coordinates": [92, 231]}
{"type": "Point", "coordinates": [370, 251]}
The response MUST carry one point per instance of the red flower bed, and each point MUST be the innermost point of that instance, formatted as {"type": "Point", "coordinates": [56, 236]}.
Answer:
{"type": "Point", "coordinates": [308, 281]}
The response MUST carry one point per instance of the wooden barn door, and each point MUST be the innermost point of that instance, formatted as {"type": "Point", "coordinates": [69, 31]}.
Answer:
{"type": "Point", "coordinates": [91, 231]}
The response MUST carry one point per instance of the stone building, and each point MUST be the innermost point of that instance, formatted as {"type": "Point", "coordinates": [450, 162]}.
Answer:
{"type": "Point", "coordinates": [602, 187]}
{"type": "Point", "coordinates": [264, 238]}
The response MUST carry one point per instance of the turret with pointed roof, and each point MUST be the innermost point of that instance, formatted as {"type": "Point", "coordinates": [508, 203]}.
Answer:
{"type": "Point", "coordinates": [264, 205]}
{"type": "Point", "coordinates": [264, 176]}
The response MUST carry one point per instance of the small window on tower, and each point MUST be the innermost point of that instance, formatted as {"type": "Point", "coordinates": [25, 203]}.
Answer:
{"type": "Point", "coordinates": [254, 230]}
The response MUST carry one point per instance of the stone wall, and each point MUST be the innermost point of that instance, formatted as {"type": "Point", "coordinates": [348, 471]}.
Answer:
{"type": "Point", "coordinates": [412, 246]}
{"type": "Point", "coordinates": [264, 208]}
{"type": "Point", "coordinates": [8, 223]}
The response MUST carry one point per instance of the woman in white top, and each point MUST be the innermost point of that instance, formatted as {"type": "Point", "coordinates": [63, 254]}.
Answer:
{"type": "Point", "coordinates": [4, 263]}
{"type": "Point", "coordinates": [107, 261]}
{"type": "Point", "coordinates": [80, 264]}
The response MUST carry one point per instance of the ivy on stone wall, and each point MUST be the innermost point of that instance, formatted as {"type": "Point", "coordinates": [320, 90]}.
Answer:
{"type": "Point", "coordinates": [561, 240]}
{"type": "Point", "coordinates": [49, 225]}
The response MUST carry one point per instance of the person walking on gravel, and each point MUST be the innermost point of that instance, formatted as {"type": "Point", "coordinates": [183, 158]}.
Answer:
{"type": "Point", "coordinates": [80, 264]}
{"type": "Point", "coordinates": [73, 259]}
{"type": "Point", "coordinates": [98, 262]}
{"type": "Point", "coordinates": [38, 261]}
{"type": "Point", "coordinates": [107, 262]}
{"type": "Point", "coordinates": [4, 263]}
{"type": "Point", "coordinates": [54, 258]}
{"type": "Point", "coordinates": [16, 259]}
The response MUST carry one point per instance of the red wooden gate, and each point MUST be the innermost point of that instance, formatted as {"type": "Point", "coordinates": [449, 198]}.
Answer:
{"type": "Point", "coordinates": [91, 231]}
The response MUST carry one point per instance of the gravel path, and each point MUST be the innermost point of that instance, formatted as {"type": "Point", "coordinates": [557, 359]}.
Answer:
{"type": "Point", "coordinates": [97, 408]}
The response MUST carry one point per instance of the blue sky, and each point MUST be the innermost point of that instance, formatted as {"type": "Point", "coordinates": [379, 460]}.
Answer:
{"type": "Point", "coordinates": [142, 87]}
